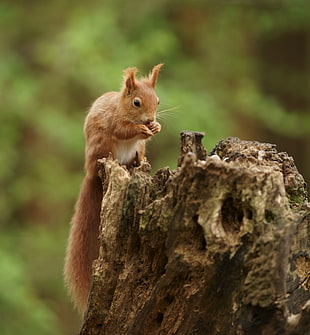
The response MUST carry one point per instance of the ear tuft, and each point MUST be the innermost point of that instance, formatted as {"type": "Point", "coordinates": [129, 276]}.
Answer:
{"type": "Point", "coordinates": [130, 83]}
{"type": "Point", "coordinates": [154, 74]}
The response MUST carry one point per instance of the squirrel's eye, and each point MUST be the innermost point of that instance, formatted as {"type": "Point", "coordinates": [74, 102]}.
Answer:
{"type": "Point", "coordinates": [137, 102]}
{"type": "Point", "coordinates": [158, 101]}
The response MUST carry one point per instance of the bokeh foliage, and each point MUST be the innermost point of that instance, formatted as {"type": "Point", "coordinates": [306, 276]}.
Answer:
{"type": "Point", "coordinates": [230, 70]}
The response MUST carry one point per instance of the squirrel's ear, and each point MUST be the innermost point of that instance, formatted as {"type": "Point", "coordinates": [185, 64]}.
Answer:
{"type": "Point", "coordinates": [154, 74]}
{"type": "Point", "coordinates": [129, 80]}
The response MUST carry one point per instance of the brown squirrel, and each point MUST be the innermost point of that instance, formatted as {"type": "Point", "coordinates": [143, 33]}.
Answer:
{"type": "Point", "coordinates": [118, 123]}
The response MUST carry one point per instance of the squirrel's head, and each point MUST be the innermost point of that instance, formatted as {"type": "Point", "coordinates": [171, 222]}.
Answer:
{"type": "Point", "coordinates": [139, 100]}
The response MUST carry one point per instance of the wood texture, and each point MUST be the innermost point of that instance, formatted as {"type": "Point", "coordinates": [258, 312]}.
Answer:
{"type": "Point", "coordinates": [218, 246]}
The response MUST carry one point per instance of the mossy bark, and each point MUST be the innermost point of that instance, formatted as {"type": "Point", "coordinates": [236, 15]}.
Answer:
{"type": "Point", "coordinates": [220, 245]}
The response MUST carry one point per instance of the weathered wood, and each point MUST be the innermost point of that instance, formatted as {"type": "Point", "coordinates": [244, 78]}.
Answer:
{"type": "Point", "coordinates": [218, 246]}
{"type": "Point", "coordinates": [192, 142]}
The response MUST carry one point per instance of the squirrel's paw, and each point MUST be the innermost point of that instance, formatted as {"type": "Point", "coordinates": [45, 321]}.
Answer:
{"type": "Point", "coordinates": [155, 127]}
{"type": "Point", "coordinates": [145, 132]}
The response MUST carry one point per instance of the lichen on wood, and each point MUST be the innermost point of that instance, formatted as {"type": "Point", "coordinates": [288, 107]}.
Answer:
{"type": "Point", "coordinates": [220, 245]}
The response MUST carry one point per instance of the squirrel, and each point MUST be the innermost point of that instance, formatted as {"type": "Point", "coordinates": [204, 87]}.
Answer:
{"type": "Point", "coordinates": [118, 123]}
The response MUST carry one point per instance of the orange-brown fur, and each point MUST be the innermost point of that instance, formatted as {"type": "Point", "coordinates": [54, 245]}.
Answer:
{"type": "Point", "coordinates": [113, 125]}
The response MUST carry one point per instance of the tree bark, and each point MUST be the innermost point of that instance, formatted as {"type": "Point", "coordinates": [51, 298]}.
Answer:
{"type": "Point", "coordinates": [220, 245]}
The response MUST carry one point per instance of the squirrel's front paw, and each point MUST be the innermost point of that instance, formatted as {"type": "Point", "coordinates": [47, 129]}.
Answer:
{"type": "Point", "coordinates": [154, 127]}
{"type": "Point", "coordinates": [145, 131]}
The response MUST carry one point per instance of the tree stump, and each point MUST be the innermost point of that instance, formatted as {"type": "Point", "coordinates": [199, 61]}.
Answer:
{"type": "Point", "coordinates": [220, 245]}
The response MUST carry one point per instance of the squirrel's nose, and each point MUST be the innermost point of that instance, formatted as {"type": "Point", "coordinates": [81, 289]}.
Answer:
{"type": "Point", "coordinates": [149, 119]}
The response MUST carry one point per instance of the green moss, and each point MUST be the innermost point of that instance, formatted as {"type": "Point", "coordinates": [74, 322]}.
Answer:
{"type": "Point", "coordinates": [297, 196]}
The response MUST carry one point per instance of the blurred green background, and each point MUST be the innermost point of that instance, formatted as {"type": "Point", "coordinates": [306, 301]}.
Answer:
{"type": "Point", "coordinates": [232, 68]}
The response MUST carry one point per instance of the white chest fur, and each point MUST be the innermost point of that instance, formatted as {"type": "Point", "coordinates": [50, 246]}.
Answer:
{"type": "Point", "coordinates": [125, 150]}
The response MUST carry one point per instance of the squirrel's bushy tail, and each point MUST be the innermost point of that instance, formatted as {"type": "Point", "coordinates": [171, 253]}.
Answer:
{"type": "Point", "coordinates": [83, 246]}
